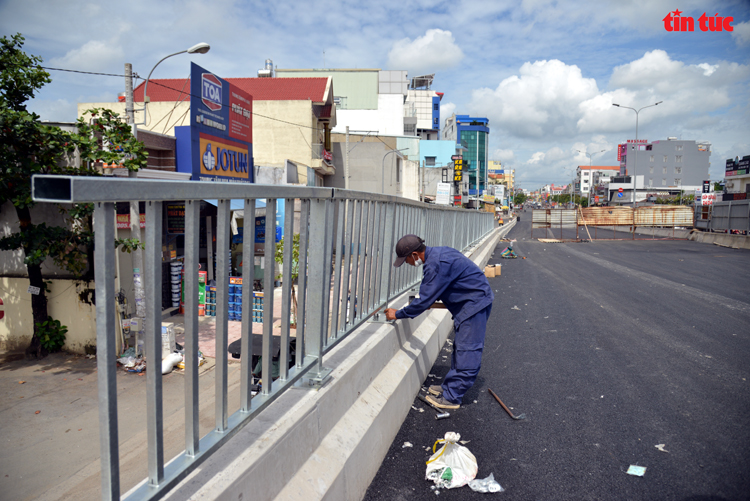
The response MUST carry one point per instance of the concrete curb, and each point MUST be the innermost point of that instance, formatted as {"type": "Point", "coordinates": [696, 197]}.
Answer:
{"type": "Point", "coordinates": [329, 444]}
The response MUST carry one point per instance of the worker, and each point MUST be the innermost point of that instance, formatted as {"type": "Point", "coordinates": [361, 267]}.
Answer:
{"type": "Point", "coordinates": [453, 278]}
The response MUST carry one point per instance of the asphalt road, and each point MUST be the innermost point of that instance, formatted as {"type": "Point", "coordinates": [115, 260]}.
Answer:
{"type": "Point", "coordinates": [610, 348]}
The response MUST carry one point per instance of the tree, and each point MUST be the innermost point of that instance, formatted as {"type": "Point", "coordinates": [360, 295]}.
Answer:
{"type": "Point", "coordinates": [279, 258]}
{"type": "Point", "coordinates": [519, 199]}
{"type": "Point", "coordinates": [28, 147]}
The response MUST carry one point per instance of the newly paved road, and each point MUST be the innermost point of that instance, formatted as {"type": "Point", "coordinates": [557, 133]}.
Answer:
{"type": "Point", "coordinates": [610, 348]}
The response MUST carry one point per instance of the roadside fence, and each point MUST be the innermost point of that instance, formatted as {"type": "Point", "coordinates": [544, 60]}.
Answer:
{"type": "Point", "coordinates": [347, 241]}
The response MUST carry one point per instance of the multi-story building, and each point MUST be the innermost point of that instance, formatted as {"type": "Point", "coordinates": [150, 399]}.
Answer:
{"type": "Point", "coordinates": [473, 134]}
{"type": "Point", "coordinates": [670, 166]}
{"type": "Point", "coordinates": [499, 175]}
{"type": "Point", "coordinates": [292, 119]}
{"type": "Point", "coordinates": [590, 177]}
{"type": "Point", "coordinates": [423, 104]}
{"type": "Point", "coordinates": [367, 100]}
{"type": "Point", "coordinates": [737, 176]}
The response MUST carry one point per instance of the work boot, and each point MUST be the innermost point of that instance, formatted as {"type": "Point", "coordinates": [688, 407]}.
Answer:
{"type": "Point", "coordinates": [435, 389]}
{"type": "Point", "coordinates": [441, 402]}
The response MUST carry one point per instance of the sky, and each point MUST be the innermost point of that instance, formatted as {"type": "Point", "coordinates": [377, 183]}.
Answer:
{"type": "Point", "coordinates": [545, 72]}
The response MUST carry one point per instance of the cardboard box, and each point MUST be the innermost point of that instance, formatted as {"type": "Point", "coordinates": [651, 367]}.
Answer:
{"type": "Point", "coordinates": [492, 270]}
{"type": "Point", "coordinates": [489, 271]}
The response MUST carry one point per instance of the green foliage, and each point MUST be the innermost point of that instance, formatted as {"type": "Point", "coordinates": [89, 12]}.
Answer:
{"type": "Point", "coordinates": [108, 140]}
{"type": "Point", "coordinates": [519, 199]}
{"type": "Point", "coordinates": [128, 244]}
{"type": "Point", "coordinates": [29, 147]}
{"type": "Point", "coordinates": [279, 256]}
{"type": "Point", "coordinates": [51, 334]}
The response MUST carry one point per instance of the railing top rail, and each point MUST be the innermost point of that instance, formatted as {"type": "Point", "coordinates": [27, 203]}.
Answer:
{"type": "Point", "coordinates": [89, 189]}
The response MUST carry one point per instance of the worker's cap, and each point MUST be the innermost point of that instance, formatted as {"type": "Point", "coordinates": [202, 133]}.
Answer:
{"type": "Point", "coordinates": [405, 246]}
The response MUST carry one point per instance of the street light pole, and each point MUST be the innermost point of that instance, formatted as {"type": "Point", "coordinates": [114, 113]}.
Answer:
{"type": "Point", "coordinates": [200, 48]}
{"type": "Point", "coordinates": [382, 170]}
{"type": "Point", "coordinates": [635, 160]}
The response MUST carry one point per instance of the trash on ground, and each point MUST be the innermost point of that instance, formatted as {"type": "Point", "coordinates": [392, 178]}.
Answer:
{"type": "Point", "coordinates": [453, 465]}
{"type": "Point", "coordinates": [516, 308]}
{"type": "Point", "coordinates": [407, 444]}
{"type": "Point", "coordinates": [661, 447]}
{"type": "Point", "coordinates": [488, 484]}
{"type": "Point", "coordinates": [637, 471]}
{"type": "Point", "coordinates": [508, 253]}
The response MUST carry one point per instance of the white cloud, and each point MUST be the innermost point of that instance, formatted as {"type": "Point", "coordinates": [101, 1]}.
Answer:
{"type": "Point", "coordinates": [91, 56]}
{"type": "Point", "coordinates": [741, 34]}
{"type": "Point", "coordinates": [541, 101]}
{"type": "Point", "coordinates": [446, 110]}
{"type": "Point", "coordinates": [504, 156]}
{"type": "Point", "coordinates": [686, 90]}
{"type": "Point", "coordinates": [436, 50]}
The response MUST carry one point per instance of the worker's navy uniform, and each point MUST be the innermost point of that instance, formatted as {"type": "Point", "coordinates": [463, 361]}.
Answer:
{"type": "Point", "coordinates": [453, 278]}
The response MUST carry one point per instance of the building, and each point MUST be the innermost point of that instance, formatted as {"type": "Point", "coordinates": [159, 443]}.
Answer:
{"type": "Point", "coordinates": [376, 163]}
{"type": "Point", "coordinates": [669, 166]}
{"type": "Point", "coordinates": [292, 119]}
{"type": "Point", "coordinates": [737, 177]}
{"type": "Point", "coordinates": [590, 178]}
{"type": "Point", "coordinates": [423, 103]}
{"type": "Point", "coordinates": [367, 100]}
{"type": "Point", "coordinates": [499, 175]}
{"type": "Point", "coordinates": [473, 134]}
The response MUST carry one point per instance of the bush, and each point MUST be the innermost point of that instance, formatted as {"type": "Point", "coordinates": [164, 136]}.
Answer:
{"type": "Point", "coordinates": [51, 334]}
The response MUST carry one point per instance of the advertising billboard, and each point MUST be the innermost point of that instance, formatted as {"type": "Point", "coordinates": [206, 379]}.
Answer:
{"type": "Point", "coordinates": [217, 145]}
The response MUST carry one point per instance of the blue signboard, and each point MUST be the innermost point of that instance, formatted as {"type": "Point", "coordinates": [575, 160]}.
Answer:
{"type": "Point", "coordinates": [217, 145]}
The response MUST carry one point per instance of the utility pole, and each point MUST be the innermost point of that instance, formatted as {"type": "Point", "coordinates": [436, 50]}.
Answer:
{"type": "Point", "coordinates": [346, 160]}
{"type": "Point", "coordinates": [135, 213]}
{"type": "Point", "coordinates": [421, 183]}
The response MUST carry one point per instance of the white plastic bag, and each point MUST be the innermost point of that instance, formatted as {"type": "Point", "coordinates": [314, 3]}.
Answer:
{"type": "Point", "coordinates": [453, 465]}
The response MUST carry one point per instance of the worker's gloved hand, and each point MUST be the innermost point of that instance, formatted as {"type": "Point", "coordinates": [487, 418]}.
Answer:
{"type": "Point", "coordinates": [390, 314]}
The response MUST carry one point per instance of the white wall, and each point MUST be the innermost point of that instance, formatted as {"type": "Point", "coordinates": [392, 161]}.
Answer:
{"type": "Point", "coordinates": [63, 303]}
{"type": "Point", "coordinates": [388, 119]}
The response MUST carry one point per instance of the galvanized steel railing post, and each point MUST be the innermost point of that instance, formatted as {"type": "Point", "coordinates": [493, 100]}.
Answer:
{"type": "Point", "coordinates": [327, 268]}
{"type": "Point", "coordinates": [246, 343]}
{"type": "Point", "coordinates": [286, 291]}
{"type": "Point", "coordinates": [222, 312]}
{"type": "Point", "coordinates": [192, 231]}
{"type": "Point", "coordinates": [104, 274]}
{"type": "Point", "coordinates": [269, 276]}
{"type": "Point", "coordinates": [154, 411]}
{"type": "Point", "coordinates": [304, 234]}
{"type": "Point", "coordinates": [316, 286]}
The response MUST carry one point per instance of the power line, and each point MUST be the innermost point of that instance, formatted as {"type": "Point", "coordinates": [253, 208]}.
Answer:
{"type": "Point", "coordinates": [154, 82]}
{"type": "Point", "coordinates": [84, 72]}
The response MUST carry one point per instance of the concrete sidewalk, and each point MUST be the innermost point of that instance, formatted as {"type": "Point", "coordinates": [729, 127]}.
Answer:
{"type": "Point", "coordinates": [49, 424]}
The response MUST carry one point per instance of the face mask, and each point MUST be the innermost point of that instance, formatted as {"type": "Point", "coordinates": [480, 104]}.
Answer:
{"type": "Point", "coordinates": [418, 262]}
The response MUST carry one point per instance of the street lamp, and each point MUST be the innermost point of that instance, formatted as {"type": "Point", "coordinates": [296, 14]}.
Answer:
{"type": "Point", "coordinates": [382, 170]}
{"type": "Point", "coordinates": [635, 161]}
{"type": "Point", "coordinates": [200, 48]}
{"type": "Point", "coordinates": [591, 174]}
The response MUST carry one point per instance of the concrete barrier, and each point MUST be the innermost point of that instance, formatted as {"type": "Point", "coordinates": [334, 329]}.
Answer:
{"type": "Point", "coordinates": [329, 443]}
{"type": "Point", "coordinates": [723, 239]}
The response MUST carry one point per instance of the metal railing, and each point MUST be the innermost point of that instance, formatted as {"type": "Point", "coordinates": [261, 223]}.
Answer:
{"type": "Point", "coordinates": [726, 215]}
{"type": "Point", "coordinates": [346, 239]}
